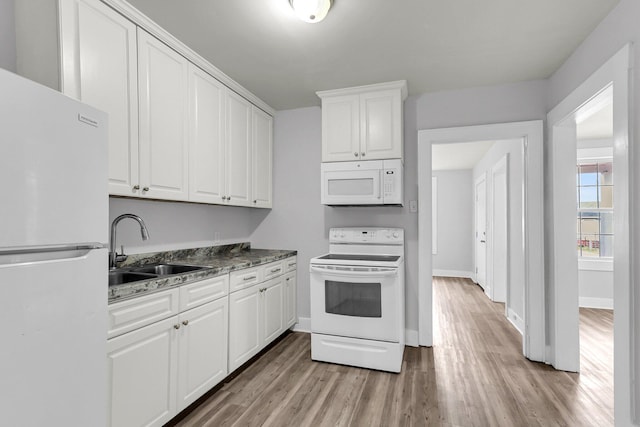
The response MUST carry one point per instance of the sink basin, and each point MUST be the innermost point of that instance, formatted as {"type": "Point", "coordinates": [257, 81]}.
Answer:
{"type": "Point", "coordinates": [120, 277]}
{"type": "Point", "coordinates": [167, 269]}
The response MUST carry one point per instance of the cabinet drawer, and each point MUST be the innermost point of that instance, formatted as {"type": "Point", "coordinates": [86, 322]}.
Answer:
{"type": "Point", "coordinates": [242, 279]}
{"type": "Point", "coordinates": [128, 315]}
{"type": "Point", "coordinates": [203, 291]}
{"type": "Point", "coordinates": [290, 264]}
{"type": "Point", "coordinates": [273, 269]}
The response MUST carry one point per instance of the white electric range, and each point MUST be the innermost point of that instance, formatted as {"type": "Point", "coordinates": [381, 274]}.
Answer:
{"type": "Point", "coordinates": [357, 299]}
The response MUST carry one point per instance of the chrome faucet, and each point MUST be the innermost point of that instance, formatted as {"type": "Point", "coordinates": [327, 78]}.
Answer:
{"type": "Point", "coordinates": [114, 257]}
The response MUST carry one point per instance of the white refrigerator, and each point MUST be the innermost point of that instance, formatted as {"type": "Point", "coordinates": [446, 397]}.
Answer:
{"type": "Point", "coordinates": [53, 258]}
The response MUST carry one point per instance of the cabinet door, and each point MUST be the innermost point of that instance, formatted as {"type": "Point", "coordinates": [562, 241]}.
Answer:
{"type": "Point", "coordinates": [273, 300]}
{"type": "Point", "coordinates": [381, 125]}
{"type": "Point", "coordinates": [340, 128]}
{"type": "Point", "coordinates": [290, 300]}
{"type": "Point", "coordinates": [262, 158]}
{"type": "Point", "coordinates": [163, 77]}
{"type": "Point", "coordinates": [99, 68]}
{"type": "Point", "coordinates": [245, 322]}
{"type": "Point", "coordinates": [206, 137]}
{"type": "Point", "coordinates": [202, 360]}
{"type": "Point", "coordinates": [142, 367]}
{"type": "Point", "coordinates": [238, 150]}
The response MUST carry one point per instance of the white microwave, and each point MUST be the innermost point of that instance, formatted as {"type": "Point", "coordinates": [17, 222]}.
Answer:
{"type": "Point", "coordinates": [372, 182]}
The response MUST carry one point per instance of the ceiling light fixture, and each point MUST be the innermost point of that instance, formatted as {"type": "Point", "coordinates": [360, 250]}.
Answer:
{"type": "Point", "coordinates": [311, 11]}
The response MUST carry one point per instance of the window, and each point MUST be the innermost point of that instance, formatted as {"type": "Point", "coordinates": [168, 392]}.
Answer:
{"type": "Point", "coordinates": [595, 208]}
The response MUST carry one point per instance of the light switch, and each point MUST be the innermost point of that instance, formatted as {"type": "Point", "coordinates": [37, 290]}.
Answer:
{"type": "Point", "coordinates": [413, 206]}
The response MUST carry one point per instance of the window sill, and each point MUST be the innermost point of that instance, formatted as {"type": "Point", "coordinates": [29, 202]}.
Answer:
{"type": "Point", "coordinates": [595, 264]}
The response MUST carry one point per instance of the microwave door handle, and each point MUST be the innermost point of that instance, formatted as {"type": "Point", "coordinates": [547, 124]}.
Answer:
{"type": "Point", "coordinates": [351, 273]}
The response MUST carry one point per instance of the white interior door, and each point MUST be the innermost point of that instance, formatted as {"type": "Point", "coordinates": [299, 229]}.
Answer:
{"type": "Point", "coordinates": [481, 231]}
{"type": "Point", "coordinates": [499, 240]}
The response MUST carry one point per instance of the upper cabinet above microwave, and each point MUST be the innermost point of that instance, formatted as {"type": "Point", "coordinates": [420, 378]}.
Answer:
{"type": "Point", "coordinates": [363, 123]}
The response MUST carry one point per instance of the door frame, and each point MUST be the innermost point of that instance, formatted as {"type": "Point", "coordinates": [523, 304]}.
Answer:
{"type": "Point", "coordinates": [531, 132]}
{"type": "Point", "coordinates": [481, 180]}
{"type": "Point", "coordinates": [563, 313]}
{"type": "Point", "coordinates": [501, 165]}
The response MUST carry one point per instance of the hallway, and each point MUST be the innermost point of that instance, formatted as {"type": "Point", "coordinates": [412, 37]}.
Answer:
{"type": "Point", "coordinates": [475, 375]}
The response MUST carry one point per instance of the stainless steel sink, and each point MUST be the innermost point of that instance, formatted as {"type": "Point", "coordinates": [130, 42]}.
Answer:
{"type": "Point", "coordinates": [120, 277]}
{"type": "Point", "coordinates": [167, 269]}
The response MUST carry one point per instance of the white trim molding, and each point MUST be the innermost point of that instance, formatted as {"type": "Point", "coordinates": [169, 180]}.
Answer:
{"type": "Point", "coordinates": [532, 135]}
{"type": "Point", "coordinates": [563, 313]}
{"type": "Point", "coordinates": [515, 320]}
{"type": "Point", "coordinates": [602, 303]}
{"type": "Point", "coordinates": [455, 273]}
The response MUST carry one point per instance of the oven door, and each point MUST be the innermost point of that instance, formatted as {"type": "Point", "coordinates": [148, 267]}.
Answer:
{"type": "Point", "coordinates": [357, 302]}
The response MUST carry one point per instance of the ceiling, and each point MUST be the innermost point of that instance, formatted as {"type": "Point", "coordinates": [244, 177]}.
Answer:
{"type": "Point", "coordinates": [458, 156]}
{"type": "Point", "coordinates": [433, 44]}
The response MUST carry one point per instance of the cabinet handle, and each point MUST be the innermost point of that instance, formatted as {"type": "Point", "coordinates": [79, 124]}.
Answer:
{"type": "Point", "coordinates": [145, 189]}
{"type": "Point", "coordinates": [185, 322]}
{"type": "Point", "coordinates": [228, 197]}
{"type": "Point", "coordinates": [275, 270]}
{"type": "Point", "coordinates": [249, 278]}
{"type": "Point", "coordinates": [355, 154]}
{"type": "Point", "coordinates": [362, 154]}
{"type": "Point", "coordinates": [176, 326]}
{"type": "Point", "coordinates": [255, 201]}
{"type": "Point", "coordinates": [291, 264]}
{"type": "Point", "coordinates": [136, 187]}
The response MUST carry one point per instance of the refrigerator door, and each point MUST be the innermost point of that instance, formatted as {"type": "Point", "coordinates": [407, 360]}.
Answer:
{"type": "Point", "coordinates": [53, 167]}
{"type": "Point", "coordinates": [52, 357]}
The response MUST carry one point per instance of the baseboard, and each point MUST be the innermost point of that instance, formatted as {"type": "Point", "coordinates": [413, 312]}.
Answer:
{"type": "Point", "coordinates": [411, 338]}
{"type": "Point", "coordinates": [516, 321]}
{"type": "Point", "coordinates": [453, 273]}
{"type": "Point", "coordinates": [588, 302]}
{"type": "Point", "coordinates": [303, 325]}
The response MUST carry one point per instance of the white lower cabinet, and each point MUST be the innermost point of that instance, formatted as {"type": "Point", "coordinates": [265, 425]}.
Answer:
{"type": "Point", "coordinates": [161, 368]}
{"type": "Point", "coordinates": [142, 368]}
{"type": "Point", "coordinates": [255, 319]}
{"type": "Point", "coordinates": [290, 300]}
{"type": "Point", "coordinates": [167, 349]}
{"type": "Point", "coordinates": [202, 355]}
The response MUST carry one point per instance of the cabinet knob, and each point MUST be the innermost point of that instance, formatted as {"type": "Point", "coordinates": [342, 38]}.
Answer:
{"type": "Point", "coordinates": [362, 154]}
{"type": "Point", "coordinates": [255, 201]}
{"type": "Point", "coordinates": [228, 197]}
{"type": "Point", "coordinates": [136, 187]}
{"type": "Point", "coordinates": [355, 154]}
{"type": "Point", "coordinates": [185, 322]}
{"type": "Point", "coordinates": [145, 189]}
{"type": "Point", "coordinates": [176, 326]}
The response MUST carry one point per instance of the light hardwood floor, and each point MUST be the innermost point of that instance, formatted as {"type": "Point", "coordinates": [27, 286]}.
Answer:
{"type": "Point", "coordinates": [475, 375]}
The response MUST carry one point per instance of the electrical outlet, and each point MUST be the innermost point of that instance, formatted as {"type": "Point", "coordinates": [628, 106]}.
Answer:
{"type": "Point", "coordinates": [413, 206]}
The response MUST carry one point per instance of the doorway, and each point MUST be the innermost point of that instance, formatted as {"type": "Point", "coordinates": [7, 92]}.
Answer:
{"type": "Point", "coordinates": [530, 133]}
{"type": "Point", "coordinates": [563, 313]}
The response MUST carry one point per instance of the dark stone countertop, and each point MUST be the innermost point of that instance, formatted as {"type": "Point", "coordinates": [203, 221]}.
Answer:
{"type": "Point", "coordinates": [218, 260]}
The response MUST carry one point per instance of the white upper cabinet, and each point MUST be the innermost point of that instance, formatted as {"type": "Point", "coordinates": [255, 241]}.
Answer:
{"type": "Point", "coordinates": [207, 174]}
{"type": "Point", "coordinates": [238, 150]}
{"type": "Point", "coordinates": [363, 123]}
{"type": "Point", "coordinates": [99, 63]}
{"type": "Point", "coordinates": [262, 158]}
{"type": "Point", "coordinates": [163, 83]}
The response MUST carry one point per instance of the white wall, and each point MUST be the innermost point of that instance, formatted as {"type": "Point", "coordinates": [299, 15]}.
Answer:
{"type": "Point", "coordinates": [595, 288]}
{"type": "Point", "coordinates": [617, 29]}
{"type": "Point", "coordinates": [7, 35]}
{"type": "Point", "coordinates": [516, 277]}
{"type": "Point", "coordinates": [454, 223]}
{"type": "Point", "coordinates": [174, 225]}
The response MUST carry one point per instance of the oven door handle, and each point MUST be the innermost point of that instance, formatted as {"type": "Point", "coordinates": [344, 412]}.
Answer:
{"type": "Point", "coordinates": [348, 272]}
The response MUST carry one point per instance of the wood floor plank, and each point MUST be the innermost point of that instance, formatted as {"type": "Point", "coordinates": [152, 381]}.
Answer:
{"type": "Point", "coordinates": [475, 375]}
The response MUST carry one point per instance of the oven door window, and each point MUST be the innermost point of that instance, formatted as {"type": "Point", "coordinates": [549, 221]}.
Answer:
{"type": "Point", "coordinates": [353, 299]}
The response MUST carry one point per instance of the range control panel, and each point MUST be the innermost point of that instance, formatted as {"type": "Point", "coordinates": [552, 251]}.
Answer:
{"type": "Point", "coordinates": [367, 235]}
